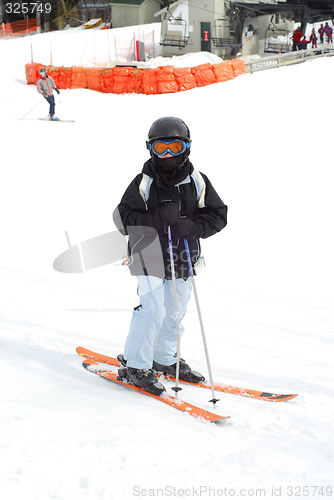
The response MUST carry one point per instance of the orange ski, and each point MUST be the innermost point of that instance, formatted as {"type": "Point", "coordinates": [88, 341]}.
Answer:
{"type": "Point", "coordinates": [177, 403]}
{"type": "Point", "coordinates": [100, 358]}
{"type": "Point", "coordinates": [230, 389]}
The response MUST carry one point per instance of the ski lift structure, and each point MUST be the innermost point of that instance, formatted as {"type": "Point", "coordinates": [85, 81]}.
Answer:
{"type": "Point", "coordinates": [221, 28]}
{"type": "Point", "coordinates": [277, 40]}
{"type": "Point", "coordinates": [179, 36]}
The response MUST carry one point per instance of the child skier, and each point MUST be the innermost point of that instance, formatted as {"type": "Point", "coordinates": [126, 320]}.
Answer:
{"type": "Point", "coordinates": [313, 39]}
{"type": "Point", "coordinates": [168, 195]}
{"type": "Point", "coordinates": [45, 86]}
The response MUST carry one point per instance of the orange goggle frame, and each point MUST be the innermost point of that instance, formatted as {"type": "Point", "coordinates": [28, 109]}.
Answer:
{"type": "Point", "coordinates": [175, 147]}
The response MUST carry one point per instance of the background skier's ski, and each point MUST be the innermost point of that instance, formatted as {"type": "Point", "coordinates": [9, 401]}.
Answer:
{"type": "Point", "coordinates": [59, 120]}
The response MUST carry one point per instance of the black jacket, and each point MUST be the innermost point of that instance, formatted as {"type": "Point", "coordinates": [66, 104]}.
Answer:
{"type": "Point", "coordinates": [149, 249]}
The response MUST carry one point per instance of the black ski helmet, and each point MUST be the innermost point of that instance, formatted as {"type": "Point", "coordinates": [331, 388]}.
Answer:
{"type": "Point", "coordinates": [42, 71]}
{"type": "Point", "coordinates": [168, 127]}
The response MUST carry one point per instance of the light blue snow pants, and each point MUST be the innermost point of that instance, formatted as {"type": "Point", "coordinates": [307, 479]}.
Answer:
{"type": "Point", "coordinates": [152, 334]}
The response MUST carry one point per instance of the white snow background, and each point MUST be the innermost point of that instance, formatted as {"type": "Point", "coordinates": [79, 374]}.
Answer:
{"type": "Point", "coordinates": [265, 141]}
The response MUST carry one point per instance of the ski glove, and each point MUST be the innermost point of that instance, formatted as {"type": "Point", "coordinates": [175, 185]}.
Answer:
{"type": "Point", "coordinates": [58, 91]}
{"type": "Point", "coordinates": [186, 229]}
{"type": "Point", "coordinates": [164, 216]}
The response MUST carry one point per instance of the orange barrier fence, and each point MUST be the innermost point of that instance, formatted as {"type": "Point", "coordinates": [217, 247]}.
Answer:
{"type": "Point", "coordinates": [19, 28]}
{"type": "Point", "coordinates": [162, 80]}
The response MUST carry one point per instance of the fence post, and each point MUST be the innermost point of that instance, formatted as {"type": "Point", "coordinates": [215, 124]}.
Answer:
{"type": "Point", "coordinates": [115, 48]}
{"type": "Point", "coordinates": [108, 47]}
{"type": "Point", "coordinates": [83, 53]}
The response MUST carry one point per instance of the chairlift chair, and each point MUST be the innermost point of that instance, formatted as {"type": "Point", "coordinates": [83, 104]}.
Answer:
{"type": "Point", "coordinates": [279, 46]}
{"type": "Point", "coordinates": [220, 26]}
{"type": "Point", "coordinates": [167, 40]}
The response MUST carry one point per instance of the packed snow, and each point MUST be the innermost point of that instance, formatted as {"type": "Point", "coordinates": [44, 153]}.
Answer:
{"type": "Point", "coordinates": [264, 140]}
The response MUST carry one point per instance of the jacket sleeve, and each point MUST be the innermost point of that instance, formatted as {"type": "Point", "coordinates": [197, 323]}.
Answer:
{"type": "Point", "coordinates": [39, 87]}
{"type": "Point", "coordinates": [212, 217]}
{"type": "Point", "coordinates": [132, 209]}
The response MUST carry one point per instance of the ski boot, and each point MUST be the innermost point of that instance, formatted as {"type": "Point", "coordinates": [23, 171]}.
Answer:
{"type": "Point", "coordinates": [144, 378]}
{"type": "Point", "coordinates": [185, 372]}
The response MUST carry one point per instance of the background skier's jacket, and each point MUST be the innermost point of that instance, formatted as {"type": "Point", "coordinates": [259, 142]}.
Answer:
{"type": "Point", "coordinates": [45, 86]}
{"type": "Point", "coordinates": [197, 200]}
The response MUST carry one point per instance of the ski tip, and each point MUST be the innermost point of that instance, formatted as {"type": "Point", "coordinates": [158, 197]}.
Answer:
{"type": "Point", "coordinates": [89, 362]}
{"type": "Point", "coordinates": [220, 420]}
{"type": "Point", "coordinates": [267, 396]}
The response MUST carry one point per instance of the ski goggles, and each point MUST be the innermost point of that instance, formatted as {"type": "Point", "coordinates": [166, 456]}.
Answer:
{"type": "Point", "coordinates": [175, 147]}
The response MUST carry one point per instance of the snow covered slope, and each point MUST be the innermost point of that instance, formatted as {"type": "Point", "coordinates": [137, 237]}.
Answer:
{"type": "Point", "coordinates": [264, 140]}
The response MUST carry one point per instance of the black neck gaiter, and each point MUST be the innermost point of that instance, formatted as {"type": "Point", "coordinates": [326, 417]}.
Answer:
{"type": "Point", "coordinates": [172, 170]}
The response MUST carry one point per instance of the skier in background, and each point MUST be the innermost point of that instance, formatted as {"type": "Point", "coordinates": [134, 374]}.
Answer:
{"type": "Point", "coordinates": [303, 43]}
{"type": "Point", "coordinates": [45, 86]}
{"type": "Point", "coordinates": [329, 32]}
{"type": "Point", "coordinates": [297, 35]}
{"type": "Point", "coordinates": [168, 193]}
{"type": "Point", "coordinates": [314, 39]}
{"type": "Point", "coordinates": [321, 32]}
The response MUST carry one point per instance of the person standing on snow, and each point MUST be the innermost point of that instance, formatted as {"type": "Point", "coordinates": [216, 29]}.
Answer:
{"type": "Point", "coordinates": [168, 193]}
{"type": "Point", "coordinates": [313, 39]}
{"type": "Point", "coordinates": [297, 35]}
{"type": "Point", "coordinates": [329, 32]}
{"type": "Point", "coordinates": [321, 32]}
{"type": "Point", "coordinates": [45, 86]}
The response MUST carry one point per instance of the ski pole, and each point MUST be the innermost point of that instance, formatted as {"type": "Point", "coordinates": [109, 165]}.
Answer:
{"type": "Point", "coordinates": [214, 399]}
{"type": "Point", "coordinates": [30, 110]}
{"type": "Point", "coordinates": [176, 389]}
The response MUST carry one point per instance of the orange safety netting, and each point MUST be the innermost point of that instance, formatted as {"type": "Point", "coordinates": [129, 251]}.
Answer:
{"type": "Point", "coordinates": [93, 78]}
{"type": "Point", "coordinates": [223, 71]}
{"type": "Point", "coordinates": [31, 73]}
{"type": "Point", "coordinates": [135, 81]}
{"type": "Point", "coordinates": [54, 72]}
{"type": "Point", "coordinates": [19, 28]}
{"type": "Point", "coordinates": [120, 80]}
{"type": "Point", "coordinates": [203, 75]}
{"type": "Point", "coordinates": [65, 78]}
{"type": "Point", "coordinates": [238, 67]}
{"type": "Point", "coordinates": [185, 79]}
{"type": "Point", "coordinates": [107, 81]}
{"type": "Point", "coordinates": [166, 80]}
{"type": "Point", "coordinates": [79, 78]}
{"type": "Point", "coordinates": [150, 81]}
